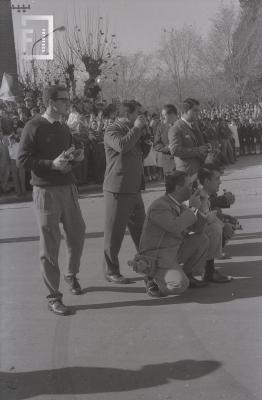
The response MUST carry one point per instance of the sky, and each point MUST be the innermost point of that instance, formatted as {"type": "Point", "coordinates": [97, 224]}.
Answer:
{"type": "Point", "coordinates": [137, 23]}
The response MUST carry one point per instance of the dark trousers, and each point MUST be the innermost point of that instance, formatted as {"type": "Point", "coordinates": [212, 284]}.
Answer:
{"type": "Point", "coordinates": [121, 211]}
{"type": "Point", "coordinates": [55, 204]}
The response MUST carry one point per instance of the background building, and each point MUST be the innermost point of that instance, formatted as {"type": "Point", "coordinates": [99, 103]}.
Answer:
{"type": "Point", "coordinates": [7, 44]}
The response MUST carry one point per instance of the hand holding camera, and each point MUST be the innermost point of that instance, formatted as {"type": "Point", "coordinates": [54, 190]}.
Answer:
{"type": "Point", "coordinates": [63, 161]}
{"type": "Point", "coordinates": [60, 163]}
{"type": "Point", "coordinates": [195, 200]}
{"type": "Point", "coordinates": [140, 122]}
{"type": "Point", "coordinates": [74, 154]}
{"type": "Point", "coordinates": [229, 196]}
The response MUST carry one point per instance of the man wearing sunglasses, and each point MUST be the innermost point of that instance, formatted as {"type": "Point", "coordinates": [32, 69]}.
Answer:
{"type": "Point", "coordinates": [46, 149]}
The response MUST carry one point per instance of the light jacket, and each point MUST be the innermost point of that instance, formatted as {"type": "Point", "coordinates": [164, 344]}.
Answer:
{"type": "Point", "coordinates": [167, 221]}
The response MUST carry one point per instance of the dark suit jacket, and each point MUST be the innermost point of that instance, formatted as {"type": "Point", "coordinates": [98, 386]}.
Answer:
{"type": "Point", "coordinates": [184, 143]}
{"type": "Point", "coordinates": [124, 158]}
{"type": "Point", "coordinates": [161, 144]}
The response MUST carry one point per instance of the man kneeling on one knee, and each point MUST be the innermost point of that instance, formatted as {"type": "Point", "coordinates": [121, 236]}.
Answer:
{"type": "Point", "coordinates": [170, 235]}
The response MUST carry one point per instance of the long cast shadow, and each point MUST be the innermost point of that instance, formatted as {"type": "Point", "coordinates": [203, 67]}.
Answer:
{"type": "Point", "coordinates": [244, 249]}
{"type": "Point", "coordinates": [114, 289]}
{"type": "Point", "coordinates": [88, 380]}
{"type": "Point", "coordinates": [247, 284]}
{"type": "Point", "coordinates": [249, 216]}
{"type": "Point", "coordinates": [246, 236]}
{"type": "Point", "coordinates": [21, 239]}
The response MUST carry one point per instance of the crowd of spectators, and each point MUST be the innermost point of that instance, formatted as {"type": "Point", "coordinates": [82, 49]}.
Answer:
{"type": "Point", "coordinates": [230, 131]}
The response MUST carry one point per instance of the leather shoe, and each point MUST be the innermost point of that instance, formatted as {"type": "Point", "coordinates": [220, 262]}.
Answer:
{"type": "Point", "coordinates": [152, 289]}
{"type": "Point", "coordinates": [217, 277]}
{"type": "Point", "coordinates": [196, 283]}
{"type": "Point", "coordinates": [73, 283]}
{"type": "Point", "coordinates": [58, 307]}
{"type": "Point", "coordinates": [225, 256]}
{"type": "Point", "coordinates": [118, 278]}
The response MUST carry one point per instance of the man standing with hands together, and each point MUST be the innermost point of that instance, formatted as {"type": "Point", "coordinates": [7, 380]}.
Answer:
{"type": "Point", "coordinates": [46, 149]}
{"type": "Point", "coordinates": [125, 147]}
{"type": "Point", "coordinates": [186, 142]}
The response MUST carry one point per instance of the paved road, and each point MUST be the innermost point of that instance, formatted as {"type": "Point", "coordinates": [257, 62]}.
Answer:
{"type": "Point", "coordinates": [120, 344]}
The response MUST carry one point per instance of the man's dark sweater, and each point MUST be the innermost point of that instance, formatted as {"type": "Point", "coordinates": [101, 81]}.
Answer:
{"type": "Point", "coordinates": [42, 142]}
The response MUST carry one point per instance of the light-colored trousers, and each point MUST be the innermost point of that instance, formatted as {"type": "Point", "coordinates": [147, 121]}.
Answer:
{"type": "Point", "coordinates": [176, 263]}
{"type": "Point", "coordinates": [55, 204]}
{"type": "Point", "coordinates": [214, 232]}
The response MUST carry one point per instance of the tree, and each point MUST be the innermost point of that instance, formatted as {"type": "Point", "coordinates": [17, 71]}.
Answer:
{"type": "Point", "coordinates": [67, 62]}
{"type": "Point", "coordinates": [214, 54]}
{"type": "Point", "coordinates": [247, 51]}
{"type": "Point", "coordinates": [178, 55]}
{"type": "Point", "coordinates": [90, 41]}
{"type": "Point", "coordinates": [130, 77]}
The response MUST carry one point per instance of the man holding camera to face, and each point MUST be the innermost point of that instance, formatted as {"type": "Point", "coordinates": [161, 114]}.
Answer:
{"type": "Point", "coordinates": [125, 146]}
{"type": "Point", "coordinates": [46, 148]}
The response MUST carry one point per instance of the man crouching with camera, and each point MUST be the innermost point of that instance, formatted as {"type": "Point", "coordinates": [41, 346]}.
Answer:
{"type": "Point", "coordinates": [173, 235]}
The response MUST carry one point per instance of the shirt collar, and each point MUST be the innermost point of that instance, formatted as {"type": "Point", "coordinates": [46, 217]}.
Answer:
{"type": "Point", "coordinates": [186, 122]}
{"type": "Point", "coordinates": [50, 119]}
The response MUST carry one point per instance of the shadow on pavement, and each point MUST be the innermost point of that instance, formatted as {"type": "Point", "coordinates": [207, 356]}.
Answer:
{"type": "Point", "coordinates": [87, 380]}
{"type": "Point", "coordinates": [249, 216]}
{"type": "Point", "coordinates": [21, 239]}
{"type": "Point", "coordinates": [94, 235]}
{"type": "Point", "coordinates": [246, 284]}
{"type": "Point", "coordinates": [247, 236]}
{"type": "Point", "coordinates": [243, 163]}
{"type": "Point", "coordinates": [115, 289]}
{"type": "Point", "coordinates": [245, 249]}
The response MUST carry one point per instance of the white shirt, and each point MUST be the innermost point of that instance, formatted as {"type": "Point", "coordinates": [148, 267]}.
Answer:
{"type": "Point", "coordinates": [13, 150]}
{"type": "Point", "coordinates": [234, 131]}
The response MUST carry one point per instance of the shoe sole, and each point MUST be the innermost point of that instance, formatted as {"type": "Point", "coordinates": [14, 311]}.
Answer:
{"type": "Point", "coordinates": [118, 282]}
{"type": "Point", "coordinates": [59, 313]}
{"type": "Point", "coordinates": [77, 293]}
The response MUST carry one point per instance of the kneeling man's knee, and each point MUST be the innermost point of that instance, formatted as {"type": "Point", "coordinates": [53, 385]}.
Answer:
{"type": "Point", "coordinates": [178, 285]}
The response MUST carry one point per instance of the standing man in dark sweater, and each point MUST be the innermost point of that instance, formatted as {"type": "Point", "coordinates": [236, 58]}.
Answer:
{"type": "Point", "coordinates": [124, 147]}
{"type": "Point", "coordinates": [46, 149]}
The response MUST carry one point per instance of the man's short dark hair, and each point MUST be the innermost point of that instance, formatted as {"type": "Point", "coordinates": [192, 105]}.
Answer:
{"type": "Point", "coordinates": [130, 105]}
{"type": "Point", "coordinates": [207, 172]}
{"type": "Point", "coordinates": [109, 110]}
{"type": "Point", "coordinates": [188, 104]}
{"type": "Point", "coordinates": [52, 92]}
{"type": "Point", "coordinates": [176, 178]}
{"type": "Point", "coordinates": [170, 109]}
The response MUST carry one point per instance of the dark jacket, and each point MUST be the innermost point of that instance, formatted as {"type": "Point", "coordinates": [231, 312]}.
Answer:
{"type": "Point", "coordinates": [184, 145]}
{"type": "Point", "coordinates": [124, 158]}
